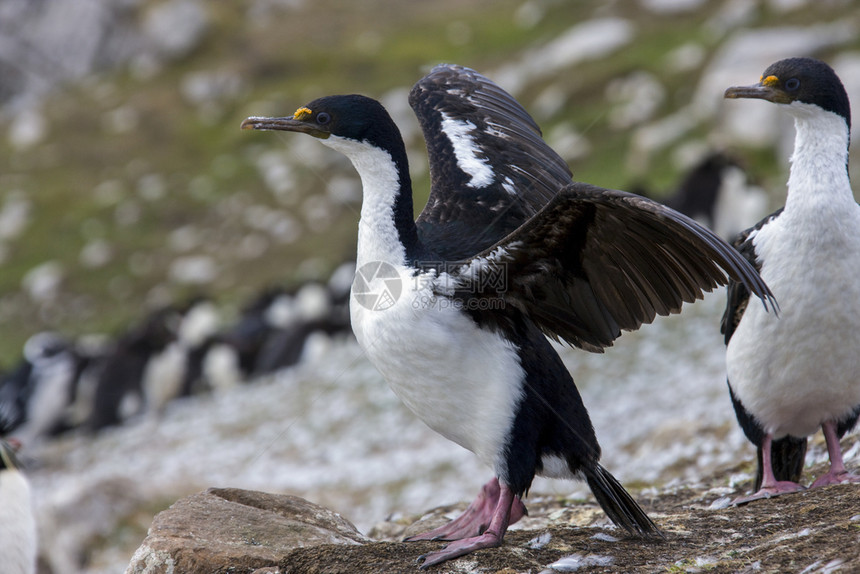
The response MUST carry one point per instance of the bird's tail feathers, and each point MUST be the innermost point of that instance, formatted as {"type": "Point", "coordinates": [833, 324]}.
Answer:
{"type": "Point", "coordinates": [618, 505]}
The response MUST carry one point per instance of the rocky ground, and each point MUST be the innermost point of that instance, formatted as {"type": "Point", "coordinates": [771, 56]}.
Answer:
{"type": "Point", "coordinates": [814, 531]}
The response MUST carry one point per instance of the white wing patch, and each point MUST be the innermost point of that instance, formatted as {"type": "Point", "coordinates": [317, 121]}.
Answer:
{"type": "Point", "coordinates": [459, 132]}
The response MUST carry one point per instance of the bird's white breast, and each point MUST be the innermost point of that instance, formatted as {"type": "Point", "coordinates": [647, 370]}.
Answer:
{"type": "Point", "coordinates": [17, 524]}
{"type": "Point", "coordinates": [798, 369]}
{"type": "Point", "coordinates": [462, 381]}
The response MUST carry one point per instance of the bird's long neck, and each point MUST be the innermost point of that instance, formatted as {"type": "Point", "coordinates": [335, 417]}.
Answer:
{"type": "Point", "coordinates": [819, 164]}
{"type": "Point", "coordinates": [386, 230]}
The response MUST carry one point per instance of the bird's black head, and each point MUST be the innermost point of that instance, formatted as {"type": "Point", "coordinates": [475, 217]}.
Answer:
{"type": "Point", "coordinates": [804, 80]}
{"type": "Point", "coordinates": [353, 117]}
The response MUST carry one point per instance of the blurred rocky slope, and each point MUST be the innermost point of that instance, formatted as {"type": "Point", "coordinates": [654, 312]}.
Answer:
{"type": "Point", "coordinates": [125, 182]}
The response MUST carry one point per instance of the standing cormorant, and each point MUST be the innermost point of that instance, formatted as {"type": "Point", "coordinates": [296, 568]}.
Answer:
{"type": "Point", "coordinates": [790, 375]}
{"type": "Point", "coordinates": [453, 308]}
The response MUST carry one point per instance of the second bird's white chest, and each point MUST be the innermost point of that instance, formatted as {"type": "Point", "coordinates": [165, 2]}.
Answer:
{"type": "Point", "coordinates": [798, 369]}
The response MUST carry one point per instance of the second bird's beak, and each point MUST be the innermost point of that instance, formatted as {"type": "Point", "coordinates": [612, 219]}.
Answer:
{"type": "Point", "coordinates": [767, 89]}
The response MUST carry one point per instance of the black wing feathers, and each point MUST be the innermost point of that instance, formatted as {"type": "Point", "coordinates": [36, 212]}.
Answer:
{"type": "Point", "coordinates": [595, 262]}
{"type": "Point", "coordinates": [583, 262]}
{"type": "Point", "coordinates": [464, 216]}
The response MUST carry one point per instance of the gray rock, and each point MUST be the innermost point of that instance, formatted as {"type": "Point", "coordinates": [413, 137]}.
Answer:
{"type": "Point", "coordinates": [175, 27]}
{"type": "Point", "coordinates": [55, 41]}
{"type": "Point", "coordinates": [45, 44]}
{"type": "Point", "coordinates": [586, 41]}
{"type": "Point", "coordinates": [236, 530]}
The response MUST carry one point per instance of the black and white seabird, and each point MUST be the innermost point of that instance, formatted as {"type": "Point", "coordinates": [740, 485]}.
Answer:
{"type": "Point", "coordinates": [119, 386]}
{"type": "Point", "coordinates": [790, 375]}
{"type": "Point", "coordinates": [507, 250]}
{"type": "Point", "coordinates": [35, 397]}
{"type": "Point", "coordinates": [17, 521]}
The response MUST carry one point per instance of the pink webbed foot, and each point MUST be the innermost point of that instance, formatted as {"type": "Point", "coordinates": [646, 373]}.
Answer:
{"type": "Point", "coordinates": [775, 489]}
{"type": "Point", "coordinates": [770, 487]}
{"type": "Point", "coordinates": [491, 537]}
{"type": "Point", "coordinates": [488, 539]}
{"type": "Point", "coordinates": [835, 478]}
{"type": "Point", "coordinates": [837, 473]}
{"type": "Point", "coordinates": [476, 518]}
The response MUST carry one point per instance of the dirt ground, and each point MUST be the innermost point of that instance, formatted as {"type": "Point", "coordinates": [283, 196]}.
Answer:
{"type": "Point", "coordinates": [815, 531]}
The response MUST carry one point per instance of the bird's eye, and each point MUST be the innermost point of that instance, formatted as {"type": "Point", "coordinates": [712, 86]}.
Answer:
{"type": "Point", "coordinates": [323, 118]}
{"type": "Point", "coordinates": [792, 84]}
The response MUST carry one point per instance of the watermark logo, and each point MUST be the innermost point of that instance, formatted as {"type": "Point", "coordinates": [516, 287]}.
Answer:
{"type": "Point", "coordinates": [484, 280]}
{"type": "Point", "coordinates": [377, 285]}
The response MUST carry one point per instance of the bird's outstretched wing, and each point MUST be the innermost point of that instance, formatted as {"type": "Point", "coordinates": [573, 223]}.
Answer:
{"type": "Point", "coordinates": [737, 294]}
{"type": "Point", "coordinates": [594, 262]}
{"type": "Point", "coordinates": [490, 169]}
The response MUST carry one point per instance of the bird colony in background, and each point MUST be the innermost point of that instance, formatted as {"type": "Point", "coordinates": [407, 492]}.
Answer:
{"type": "Point", "coordinates": [94, 382]}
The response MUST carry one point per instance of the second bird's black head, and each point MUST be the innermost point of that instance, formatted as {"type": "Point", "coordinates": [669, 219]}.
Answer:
{"type": "Point", "coordinates": [353, 117]}
{"type": "Point", "coordinates": [804, 80]}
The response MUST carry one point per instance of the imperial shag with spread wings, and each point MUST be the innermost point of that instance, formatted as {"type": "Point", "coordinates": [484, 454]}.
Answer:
{"type": "Point", "coordinates": [508, 249]}
{"type": "Point", "coordinates": [788, 377]}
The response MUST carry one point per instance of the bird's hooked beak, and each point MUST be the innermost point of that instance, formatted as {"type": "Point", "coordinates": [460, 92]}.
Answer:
{"type": "Point", "coordinates": [300, 122]}
{"type": "Point", "coordinates": [768, 88]}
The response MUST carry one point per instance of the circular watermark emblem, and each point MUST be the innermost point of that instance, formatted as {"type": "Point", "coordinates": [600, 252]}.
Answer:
{"type": "Point", "coordinates": [377, 285]}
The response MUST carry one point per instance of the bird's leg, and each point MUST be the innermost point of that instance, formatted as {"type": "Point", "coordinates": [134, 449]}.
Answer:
{"type": "Point", "coordinates": [490, 538]}
{"type": "Point", "coordinates": [837, 473]}
{"type": "Point", "coordinates": [769, 485]}
{"type": "Point", "coordinates": [475, 520]}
